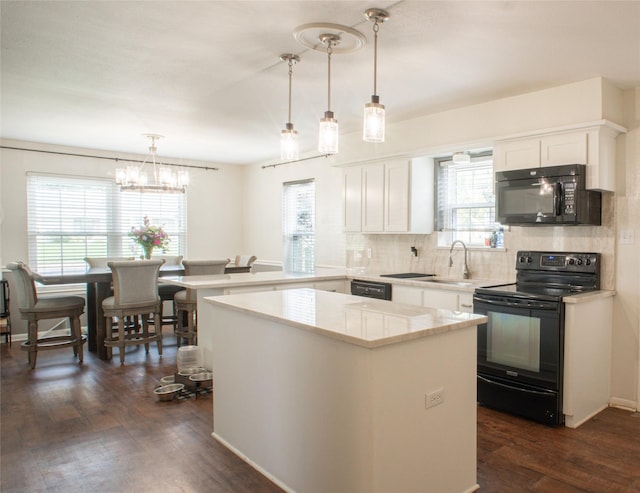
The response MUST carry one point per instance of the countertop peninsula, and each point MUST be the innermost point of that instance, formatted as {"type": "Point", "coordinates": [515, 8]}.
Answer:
{"type": "Point", "coordinates": [323, 391]}
{"type": "Point", "coordinates": [360, 321]}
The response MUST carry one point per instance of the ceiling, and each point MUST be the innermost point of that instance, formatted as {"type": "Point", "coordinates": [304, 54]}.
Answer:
{"type": "Point", "coordinates": [207, 74]}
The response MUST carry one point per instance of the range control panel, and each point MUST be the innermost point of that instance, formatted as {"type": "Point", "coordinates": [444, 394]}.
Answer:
{"type": "Point", "coordinates": [558, 261]}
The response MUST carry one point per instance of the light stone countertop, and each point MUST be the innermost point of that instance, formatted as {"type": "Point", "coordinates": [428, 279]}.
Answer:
{"type": "Point", "coordinates": [360, 321]}
{"type": "Point", "coordinates": [321, 274]}
{"type": "Point", "coordinates": [589, 296]}
{"type": "Point", "coordinates": [243, 279]}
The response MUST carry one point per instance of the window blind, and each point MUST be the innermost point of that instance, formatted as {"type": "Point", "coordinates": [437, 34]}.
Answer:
{"type": "Point", "coordinates": [70, 218]}
{"type": "Point", "coordinates": [298, 226]}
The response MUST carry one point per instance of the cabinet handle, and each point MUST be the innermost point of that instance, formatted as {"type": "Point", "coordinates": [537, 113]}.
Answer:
{"type": "Point", "coordinates": [465, 305]}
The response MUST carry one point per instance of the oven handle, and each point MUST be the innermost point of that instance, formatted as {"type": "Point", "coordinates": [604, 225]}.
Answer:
{"type": "Point", "coordinates": [519, 389]}
{"type": "Point", "coordinates": [522, 304]}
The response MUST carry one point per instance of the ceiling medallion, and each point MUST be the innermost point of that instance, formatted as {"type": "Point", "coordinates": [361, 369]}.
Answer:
{"type": "Point", "coordinates": [309, 36]}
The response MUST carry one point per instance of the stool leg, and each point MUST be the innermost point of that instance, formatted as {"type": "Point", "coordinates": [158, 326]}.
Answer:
{"type": "Point", "coordinates": [121, 341]}
{"type": "Point", "coordinates": [77, 333]}
{"type": "Point", "coordinates": [159, 330]}
{"type": "Point", "coordinates": [181, 315]}
{"type": "Point", "coordinates": [33, 343]}
{"type": "Point", "coordinates": [145, 331]}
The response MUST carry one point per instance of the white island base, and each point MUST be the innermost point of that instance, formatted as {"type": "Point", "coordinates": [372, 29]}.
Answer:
{"type": "Point", "coordinates": [344, 410]}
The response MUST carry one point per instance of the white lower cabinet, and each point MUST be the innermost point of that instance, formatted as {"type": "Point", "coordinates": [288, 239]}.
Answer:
{"type": "Point", "coordinates": [337, 286]}
{"type": "Point", "coordinates": [434, 298]}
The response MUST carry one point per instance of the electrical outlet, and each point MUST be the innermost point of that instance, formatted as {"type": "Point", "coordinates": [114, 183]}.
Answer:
{"type": "Point", "coordinates": [369, 253]}
{"type": "Point", "coordinates": [434, 398]}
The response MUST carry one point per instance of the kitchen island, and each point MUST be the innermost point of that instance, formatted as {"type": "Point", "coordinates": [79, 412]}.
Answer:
{"type": "Point", "coordinates": [323, 391]}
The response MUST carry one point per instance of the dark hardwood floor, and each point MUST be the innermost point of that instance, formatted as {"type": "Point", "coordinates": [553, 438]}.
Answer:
{"type": "Point", "coordinates": [98, 427]}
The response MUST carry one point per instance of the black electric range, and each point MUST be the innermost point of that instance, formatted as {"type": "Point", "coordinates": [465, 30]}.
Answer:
{"type": "Point", "coordinates": [521, 347]}
{"type": "Point", "coordinates": [550, 276]}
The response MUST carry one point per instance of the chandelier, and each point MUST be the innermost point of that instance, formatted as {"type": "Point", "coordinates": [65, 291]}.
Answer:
{"type": "Point", "coordinates": [152, 176]}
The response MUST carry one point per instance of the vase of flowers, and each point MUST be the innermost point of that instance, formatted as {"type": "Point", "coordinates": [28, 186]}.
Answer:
{"type": "Point", "coordinates": [149, 237]}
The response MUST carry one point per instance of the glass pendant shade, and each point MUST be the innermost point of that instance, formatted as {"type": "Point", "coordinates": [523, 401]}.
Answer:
{"type": "Point", "coordinates": [289, 147]}
{"type": "Point", "coordinates": [328, 135]}
{"type": "Point", "coordinates": [373, 129]}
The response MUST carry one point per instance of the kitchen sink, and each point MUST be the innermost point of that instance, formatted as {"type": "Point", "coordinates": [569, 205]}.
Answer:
{"type": "Point", "coordinates": [451, 282]}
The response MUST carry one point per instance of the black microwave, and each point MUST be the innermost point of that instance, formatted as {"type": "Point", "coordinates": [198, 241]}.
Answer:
{"type": "Point", "coordinates": [553, 195]}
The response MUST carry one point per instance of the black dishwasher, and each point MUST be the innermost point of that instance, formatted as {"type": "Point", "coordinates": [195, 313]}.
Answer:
{"type": "Point", "coordinates": [371, 289]}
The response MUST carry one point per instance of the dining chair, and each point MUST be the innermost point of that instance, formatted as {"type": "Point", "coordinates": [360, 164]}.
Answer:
{"type": "Point", "coordinates": [101, 262]}
{"type": "Point", "coordinates": [186, 301]}
{"type": "Point", "coordinates": [135, 293]}
{"type": "Point", "coordinates": [245, 260]}
{"type": "Point", "coordinates": [34, 308]}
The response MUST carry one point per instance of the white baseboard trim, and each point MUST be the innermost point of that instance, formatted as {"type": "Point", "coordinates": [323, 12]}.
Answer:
{"type": "Point", "coordinates": [626, 404]}
{"type": "Point", "coordinates": [258, 468]}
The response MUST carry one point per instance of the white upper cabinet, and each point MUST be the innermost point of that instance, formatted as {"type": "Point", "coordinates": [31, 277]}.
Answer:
{"type": "Point", "coordinates": [352, 199]}
{"type": "Point", "coordinates": [592, 146]}
{"type": "Point", "coordinates": [373, 198]}
{"type": "Point", "coordinates": [394, 196]}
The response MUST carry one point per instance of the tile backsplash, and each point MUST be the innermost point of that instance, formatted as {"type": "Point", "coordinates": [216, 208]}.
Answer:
{"type": "Point", "coordinates": [391, 253]}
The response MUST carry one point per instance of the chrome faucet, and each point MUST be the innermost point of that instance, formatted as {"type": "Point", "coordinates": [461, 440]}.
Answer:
{"type": "Point", "coordinates": [465, 272]}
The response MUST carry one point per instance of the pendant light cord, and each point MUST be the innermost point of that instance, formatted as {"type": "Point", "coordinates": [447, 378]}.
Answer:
{"type": "Point", "coordinates": [329, 51]}
{"type": "Point", "coordinates": [376, 28]}
{"type": "Point", "coordinates": [290, 86]}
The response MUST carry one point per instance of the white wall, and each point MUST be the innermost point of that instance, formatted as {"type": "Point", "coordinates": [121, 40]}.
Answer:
{"type": "Point", "coordinates": [214, 200]}
{"type": "Point", "coordinates": [214, 204]}
{"type": "Point", "coordinates": [476, 127]}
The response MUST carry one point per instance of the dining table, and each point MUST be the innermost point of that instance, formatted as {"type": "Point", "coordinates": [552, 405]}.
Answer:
{"type": "Point", "coordinates": [98, 282]}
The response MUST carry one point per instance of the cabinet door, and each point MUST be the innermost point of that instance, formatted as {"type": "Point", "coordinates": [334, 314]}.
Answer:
{"type": "Point", "coordinates": [407, 295]}
{"type": "Point", "coordinates": [397, 199]}
{"type": "Point", "coordinates": [564, 148]}
{"type": "Point", "coordinates": [334, 286]}
{"type": "Point", "coordinates": [352, 199]}
{"type": "Point", "coordinates": [465, 301]}
{"type": "Point", "coordinates": [373, 198]}
{"type": "Point", "coordinates": [516, 154]}
{"type": "Point", "coordinates": [440, 298]}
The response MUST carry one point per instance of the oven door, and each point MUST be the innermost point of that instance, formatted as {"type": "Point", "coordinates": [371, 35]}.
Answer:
{"type": "Point", "coordinates": [523, 341]}
{"type": "Point", "coordinates": [529, 201]}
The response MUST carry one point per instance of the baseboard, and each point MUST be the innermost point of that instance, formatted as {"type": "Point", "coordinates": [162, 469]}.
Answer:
{"type": "Point", "coordinates": [626, 404]}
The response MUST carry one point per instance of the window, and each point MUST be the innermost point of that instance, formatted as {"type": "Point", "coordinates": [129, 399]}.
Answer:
{"type": "Point", "coordinates": [298, 226]}
{"type": "Point", "coordinates": [466, 201]}
{"type": "Point", "coordinates": [70, 218]}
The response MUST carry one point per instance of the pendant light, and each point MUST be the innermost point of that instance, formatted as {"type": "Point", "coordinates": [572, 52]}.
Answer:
{"type": "Point", "coordinates": [373, 129]}
{"type": "Point", "coordinates": [150, 176]}
{"type": "Point", "coordinates": [289, 147]}
{"type": "Point", "coordinates": [328, 135]}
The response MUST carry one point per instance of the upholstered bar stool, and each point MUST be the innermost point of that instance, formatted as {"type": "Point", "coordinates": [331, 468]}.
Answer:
{"type": "Point", "coordinates": [186, 301]}
{"type": "Point", "coordinates": [34, 308]}
{"type": "Point", "coordinates": [167, 293]}
{"type": "Point", "coordinates": [135, 293]}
